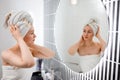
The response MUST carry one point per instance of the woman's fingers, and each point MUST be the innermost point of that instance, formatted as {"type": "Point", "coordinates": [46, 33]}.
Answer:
{"type": "Point", "coordinates": [98, 32]}
{"type": "Point", "coordinates": [82, 38]}
{"type": "Point", "coordinates": [13, 28]}
{"type": "Point", "coordinates": [16, 28]}
{"type": "Point", "coordinates": [98, 29]}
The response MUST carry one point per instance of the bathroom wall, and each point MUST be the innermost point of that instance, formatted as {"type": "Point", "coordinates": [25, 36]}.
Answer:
{"type": "Point", "coordinates": [35, 8]}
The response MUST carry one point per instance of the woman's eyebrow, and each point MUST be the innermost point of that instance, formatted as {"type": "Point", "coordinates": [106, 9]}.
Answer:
{"type": "Point", "coordinates": [32, 30]}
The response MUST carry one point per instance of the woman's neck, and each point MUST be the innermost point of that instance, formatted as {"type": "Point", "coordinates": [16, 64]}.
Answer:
{"type": "Point", "coordinates": [88, 43]}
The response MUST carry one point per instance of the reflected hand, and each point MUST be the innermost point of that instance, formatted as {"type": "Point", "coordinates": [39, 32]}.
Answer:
{"type": "Point", "coordinates": [15, 32]}
{"type": "Point", "coordinates": [98, 32]}
{"type": "Point", "coordinates": [81, 40]}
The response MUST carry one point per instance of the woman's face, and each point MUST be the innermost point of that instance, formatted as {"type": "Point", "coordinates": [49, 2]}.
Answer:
{"type": "Point", "coordinates": [30, 36]}
{"type": "Point", "coordinates": [87, 33]}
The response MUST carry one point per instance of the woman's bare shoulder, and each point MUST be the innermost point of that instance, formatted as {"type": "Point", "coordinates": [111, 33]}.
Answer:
{"type": "Point", "coordinates": [97, 44]}
{"type": "Point", "coordinates": [6, 53]}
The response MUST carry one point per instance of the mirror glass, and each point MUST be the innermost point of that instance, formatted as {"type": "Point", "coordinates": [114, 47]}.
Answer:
{"type": "Point", "coordinates": [81, 32]}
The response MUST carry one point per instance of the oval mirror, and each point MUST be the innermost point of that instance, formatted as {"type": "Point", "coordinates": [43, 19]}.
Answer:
{"type": "Point", "coordinates": [81, 33]}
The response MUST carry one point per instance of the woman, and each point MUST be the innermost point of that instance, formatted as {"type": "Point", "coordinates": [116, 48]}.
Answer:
{"type": "Point", "coordinates": [89, 50]}
{"type": "Point", "coordinates": [18, 60]}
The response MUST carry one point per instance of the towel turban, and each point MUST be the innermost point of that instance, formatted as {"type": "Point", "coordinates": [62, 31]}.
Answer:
{"type": "Point", "coordinates": [22, 19]}
{"type": "Point", "coordinates": [93, 24]}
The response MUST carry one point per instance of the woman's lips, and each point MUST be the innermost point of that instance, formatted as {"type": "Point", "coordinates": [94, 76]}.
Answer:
{"type": "Point", "coordinates": [33, 39]}
{"type": "Point", "coordinates": [86, 37]}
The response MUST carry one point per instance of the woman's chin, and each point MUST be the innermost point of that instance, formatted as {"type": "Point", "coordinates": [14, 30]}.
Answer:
{"type": "Point", "coordinates": [86, 39]}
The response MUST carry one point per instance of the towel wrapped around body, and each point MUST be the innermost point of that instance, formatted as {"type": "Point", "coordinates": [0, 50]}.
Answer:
{"type": "Point", "coordinates": [88, 62]}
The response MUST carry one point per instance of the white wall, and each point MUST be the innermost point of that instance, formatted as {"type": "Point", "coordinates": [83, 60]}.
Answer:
{"type": "Point", "coordinates": [34, 7]}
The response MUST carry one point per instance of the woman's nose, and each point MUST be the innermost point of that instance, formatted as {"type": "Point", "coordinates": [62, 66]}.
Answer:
{"type": "Point", "coordinates": [34, 36]}
{"type": "Point", "coordinates": [86, 33]}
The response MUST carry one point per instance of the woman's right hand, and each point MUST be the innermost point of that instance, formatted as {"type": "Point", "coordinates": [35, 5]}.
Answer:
{"type": "Point", "coordinates": [15, 32]}
{"type": "Point", "coordinates": [98, 32]}
{"type": "Point", "coordinates": [81, 40]}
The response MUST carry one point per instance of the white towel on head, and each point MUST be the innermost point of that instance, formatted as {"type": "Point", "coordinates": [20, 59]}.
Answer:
{"type": "Point", "coordinates": [94, 26]}
{"type": "Point", "coordinates": [22, 19]}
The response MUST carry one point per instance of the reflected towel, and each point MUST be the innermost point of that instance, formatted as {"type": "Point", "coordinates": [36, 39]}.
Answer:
{"type": "Point", "coordinates": [93, 25]}
{"type": "Point", "coordinates": [88, 62]}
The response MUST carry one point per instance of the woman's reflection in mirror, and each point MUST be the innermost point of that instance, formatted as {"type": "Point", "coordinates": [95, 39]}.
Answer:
{"type": "Point", "coordinates": [89, 50]}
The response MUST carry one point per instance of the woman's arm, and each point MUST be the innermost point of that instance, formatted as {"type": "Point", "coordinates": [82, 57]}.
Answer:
{"type": "Point", "coordinates": [41, 52]}
{"type": "Point", "coordinates": [73, 49]}
{"type": "Point", "coordinates": [26, 55]}
{"type": "Point", "coordinates": [25, 59]}
{"type": "Point", "coordinates": [102, 42]}
{"type": "Point", "coordinates": [10, 58]}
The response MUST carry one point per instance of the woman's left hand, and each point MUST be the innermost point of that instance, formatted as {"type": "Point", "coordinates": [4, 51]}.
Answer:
{"type": "Point", "coordinates": [98, 33]}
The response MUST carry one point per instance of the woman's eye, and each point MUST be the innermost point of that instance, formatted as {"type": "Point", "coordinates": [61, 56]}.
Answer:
{"type": "Point", "coordinates": [32, 33]}
{"type": "Point", "coordinates": [89, 31]}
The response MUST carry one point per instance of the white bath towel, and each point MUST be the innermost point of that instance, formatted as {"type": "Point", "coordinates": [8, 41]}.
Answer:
{"type": "Point", "coordinates": [11, 73]}
{"type": "Point", "coordinates": [88, 62]}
